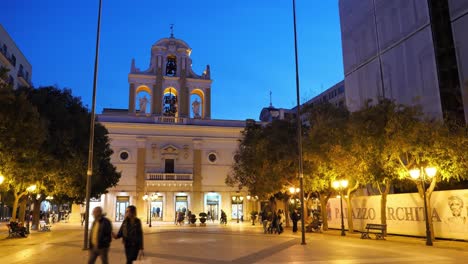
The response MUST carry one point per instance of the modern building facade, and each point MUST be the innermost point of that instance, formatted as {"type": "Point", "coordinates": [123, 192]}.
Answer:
{"type": "Point", "coordinates": [411, 51]}
{"type": "Point", "coordinates": [172, 155]}
{"type": "Point", "coordinates": [11, 58]}
{"type": "Point", "coordinates": [459, 23]}
{"type": "Point", "coordinates": [334, 95]}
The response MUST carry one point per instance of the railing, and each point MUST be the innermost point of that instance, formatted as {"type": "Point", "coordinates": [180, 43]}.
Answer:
{"type": "Point", "coordinates": [156, 176]}
{"type": "Point", "coordinates": [170, 120]}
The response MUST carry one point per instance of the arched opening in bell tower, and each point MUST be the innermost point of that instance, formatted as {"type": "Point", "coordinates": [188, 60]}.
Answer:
{"type": "Point", "coordinates": [171, 65]}
{"type": "Point", "coordinates": [170, 102]}
{"type": "Point", "coordinates": [143, 99]}
{"type": "Point", "coordinates": [197, 104]}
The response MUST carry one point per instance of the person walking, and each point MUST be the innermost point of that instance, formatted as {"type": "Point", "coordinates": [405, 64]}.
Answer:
{"type": "Point", "coordinates": [131, 233]}
{"type": "Point", "coordinates": [100, 238]}
{"type": "Point", "coordinates": [280, 216]}
{"type": "Point", "coordinates": [295, 219]}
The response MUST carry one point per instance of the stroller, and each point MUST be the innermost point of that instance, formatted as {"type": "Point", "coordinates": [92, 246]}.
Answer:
{"type": "Point", "coordinates": [316, 224]}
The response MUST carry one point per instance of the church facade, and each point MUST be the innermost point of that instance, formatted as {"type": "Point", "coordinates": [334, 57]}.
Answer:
{"type": "Point", "coordinates": [173, 157]}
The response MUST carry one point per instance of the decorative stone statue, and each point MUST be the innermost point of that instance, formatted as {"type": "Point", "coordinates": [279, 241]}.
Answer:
{"type": "Point", "coordinates": [143, 103]}
{"type": "Point", "coordinates": [196, 109]}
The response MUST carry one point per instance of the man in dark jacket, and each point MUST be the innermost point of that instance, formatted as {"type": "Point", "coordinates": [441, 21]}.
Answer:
{"type": "Point", "coordinates": [100, 237]}
{"type": "Point", "coordinates": [295, 218]}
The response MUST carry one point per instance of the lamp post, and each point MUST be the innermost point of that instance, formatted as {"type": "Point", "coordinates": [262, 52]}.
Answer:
{"type": "Point", "coordinates": [237, 199]}
{"type": "Point", "coordinates": [89, 171]}
{"type": "Point", "coordinates": [421, 174]}
{"type": "Point", "coordinates": [340, 186]}
{"type": "Point", "coordinates": [299, 126]}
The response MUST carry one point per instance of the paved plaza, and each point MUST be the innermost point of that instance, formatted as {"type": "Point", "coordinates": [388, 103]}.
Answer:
{"type": "Point", "coordinates": [235, 243]}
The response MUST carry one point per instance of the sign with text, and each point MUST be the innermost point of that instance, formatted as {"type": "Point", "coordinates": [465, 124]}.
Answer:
{"type": "Point", "coordinates": [405, 213]}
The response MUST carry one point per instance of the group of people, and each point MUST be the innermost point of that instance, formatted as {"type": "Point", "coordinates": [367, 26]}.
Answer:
{"type": "Point", "coordinates": [131, 232]}
{"type": "Point", "coordinates": [272, 221]}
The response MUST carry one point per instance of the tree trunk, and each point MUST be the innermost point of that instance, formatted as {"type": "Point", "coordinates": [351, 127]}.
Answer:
{"type": "Point", "coordinates": [429, 215]}
{"type": "Point", "coordinates": [323, 210]}
{"type": "Point", "coordinates": [350, 191]}
{"type": "Point", "coordinates": [22, 210]}
{"type": "Point", "coordinates": [383, 205]}
{"type": "Point", "coordinates": [421, 189]}
{"type": "Point", "coordinates": [286, 212]}
{"type": "Point", "coordinates": [15, 208]}
{"type": "Point", "coordinates": [350, 214]}
{"type": "Point", "coordinates": [36, 212]}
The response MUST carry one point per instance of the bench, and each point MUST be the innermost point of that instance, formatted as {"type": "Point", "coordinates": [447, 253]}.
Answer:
{"type": "Point", "coordinates": [16, 230]}
{"type": "Point", "coordinates": [378, 227]}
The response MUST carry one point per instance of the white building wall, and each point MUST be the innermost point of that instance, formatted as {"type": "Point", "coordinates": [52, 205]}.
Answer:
{"type": "Point", "coordinates": [13, 50]}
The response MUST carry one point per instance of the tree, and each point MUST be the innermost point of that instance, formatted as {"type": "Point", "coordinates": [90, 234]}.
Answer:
{"type": "Point", "coordinates": [44, 142]}
{"type": "Point", "coordinates": [67, 122]}
{"type": "Point", "coordinates": [374, 131]}
{"type": "Point", "coordinates": [21, 134]}
{"type": "Point", "coordinates": [429, 143]}
{"type": "Point", "coordinates": [327, 130]}
{"type": "Point", "coordinates": [266, 160]}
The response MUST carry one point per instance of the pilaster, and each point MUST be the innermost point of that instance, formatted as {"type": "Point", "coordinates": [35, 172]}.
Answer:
{"type": "Point", "coordinates": [140, 176]}
{"type": "Point", "coordinates": [131, 98]}
{"type": "Point", "coordinates": [157, 88]}
{"type": "Point", "coordinates": [208, 103]}
{"type": "Point", "coordinates": [197, 198]}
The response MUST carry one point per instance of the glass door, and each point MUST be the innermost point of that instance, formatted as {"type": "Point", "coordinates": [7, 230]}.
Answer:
{"type": "Point", "coordinates": [121, 205]}
{"type": "Point", "coordinates": [157, 210]}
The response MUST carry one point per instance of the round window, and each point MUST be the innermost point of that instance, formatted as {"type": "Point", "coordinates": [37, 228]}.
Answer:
{"type": "Point", "coordinates": [212, 157]}
{"type": "Point", "coordinates": [124, 155]}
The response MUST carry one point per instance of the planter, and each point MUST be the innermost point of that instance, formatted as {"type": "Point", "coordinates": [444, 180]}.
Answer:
{"type": "Point", "coordinates": [193, 219]}
{"type": "Point", "coordinates": [202, 218]}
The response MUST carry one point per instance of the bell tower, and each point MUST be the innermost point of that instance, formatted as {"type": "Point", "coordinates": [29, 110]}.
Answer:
{"type": "Point", "coordinates": [170, 87]}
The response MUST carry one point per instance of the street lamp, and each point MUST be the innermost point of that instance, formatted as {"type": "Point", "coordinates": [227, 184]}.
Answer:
{"type": "Point", "coordinates": [340, 186]}
{"type": "Point", "coordinates": [293, 191]}
{"type": "Point", "coordinates": [237, 199]}
{"type": "Point", "coordinates": [31, 188]}
{"type": "Point", "coordinates": [421, 174]}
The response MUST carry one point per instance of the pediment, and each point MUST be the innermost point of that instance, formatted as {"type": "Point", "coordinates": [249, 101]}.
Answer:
{"type": "Point", "coordinates": [169, 149]}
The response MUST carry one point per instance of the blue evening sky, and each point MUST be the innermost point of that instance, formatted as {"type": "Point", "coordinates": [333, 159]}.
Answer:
{"type": "Point", "coordinates": [248, 44]}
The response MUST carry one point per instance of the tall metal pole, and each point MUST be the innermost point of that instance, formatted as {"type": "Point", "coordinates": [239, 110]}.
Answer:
{"type": "Point", "coordinates": [342, 216]}
{"type": "Point", "coordinates": [299, 128]}
{"type": "Point", "coordinates": [89, 172]}
{"type": "Point", "coordinates": [426, 215]}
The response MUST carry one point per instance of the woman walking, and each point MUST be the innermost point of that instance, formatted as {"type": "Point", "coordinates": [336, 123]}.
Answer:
{"type": "Point", "coordinates": [131, 232]}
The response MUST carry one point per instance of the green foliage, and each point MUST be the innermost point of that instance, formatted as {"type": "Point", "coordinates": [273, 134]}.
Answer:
{"type": "Point", "coordinates": [266, 160]}
{"type": "Point", "coordinates": [22, 132]}
{"type": "Point", "coordinates": [67, 122]}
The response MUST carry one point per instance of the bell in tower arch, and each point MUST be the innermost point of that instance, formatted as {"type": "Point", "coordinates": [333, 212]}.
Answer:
{"type": "Point", "coordinates": [171, 66]}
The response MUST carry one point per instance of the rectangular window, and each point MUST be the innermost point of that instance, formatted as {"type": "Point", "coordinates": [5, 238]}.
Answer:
{"type": "Point", "coordinates": [169, 166]}
{"type": "Point", "coordinates": [13, 60]}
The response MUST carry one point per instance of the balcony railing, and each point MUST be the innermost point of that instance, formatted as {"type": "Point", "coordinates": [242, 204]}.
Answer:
{"type": "Point", "coordinates": [157, 176]}
{"type": "Point", "coordinates": [170, 120]}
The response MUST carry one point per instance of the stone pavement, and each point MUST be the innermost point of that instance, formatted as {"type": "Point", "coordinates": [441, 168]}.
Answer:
{"type": "Point", "coordinates": [234, 243]}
